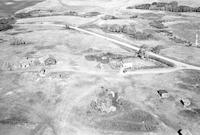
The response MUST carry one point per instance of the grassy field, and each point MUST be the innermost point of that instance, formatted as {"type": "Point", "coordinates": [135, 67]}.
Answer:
{"type": "Point", "coordinates": [9, 7]}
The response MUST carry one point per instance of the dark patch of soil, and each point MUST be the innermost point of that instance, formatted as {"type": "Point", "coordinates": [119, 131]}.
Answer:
{"type": "Point", "coordinates": [151, 16]}
{"type": "Point", "coordinates": [112, 125]}
{"type": "Point", "coordinates": [91, 14]}
{"type": "Point", "coordinates": [14, 121]}
{"type": "Point", "coordinates": [91, 50]}
{"type": "Point", "coordinates": [192, 114]}
{"type": "Point", "coordinates": [44, 47]}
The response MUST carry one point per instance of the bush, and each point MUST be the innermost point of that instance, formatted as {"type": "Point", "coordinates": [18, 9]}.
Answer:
{"type": "Point", "coordinates": [4, 27]}
{"type": "Point", "coordinates": [113, 28]}
{"type": "Point", "coordinates": [18, 41]}
{"type": "Point", "coordinates": [156, 49]}
{"type": "Point", "coordinates": [174, 3]}
{"type": "Point", "coordinates": [143, 6]}
{"type": "Point", "coordinates": [109, 17]}
{"type": "Point", "coordinates": [91, 14]}
{"type": "Point", "coordinates": [9, 20]}
{"type": "Point", "coordinates": [185, 9]}
{"type": "Point", "coordinates": [172, 7]}
{"type": "Point", "coordinates": [130, 7]}
{"type": "Point", "coordinates": [71, 13]}
{"type": "Point", "coordinates": [161, 4]}
{"type": "Point", "coordinates": [197, 9]}
{"type": "Point", "coordinates": [23, 15]}
{"type": "Point", "coordinates": [133, 16]}
{"type": "Point", "coordinates": [14, 121]}
{"type": "Point", "coordinates": [6, 23]}
{"type": "Point", "coordinates": [129, 29]}
{"type": "Point", "coordinates": [142, 35]}
{"type": "Point", "coordinates": [157, 24]}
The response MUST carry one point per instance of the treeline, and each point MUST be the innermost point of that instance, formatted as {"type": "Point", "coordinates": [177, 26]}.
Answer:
{"type": "Point", "coordinates": [163, 6]}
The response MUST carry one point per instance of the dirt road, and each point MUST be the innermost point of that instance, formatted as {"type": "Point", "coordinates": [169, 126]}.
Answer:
{"type": "Point", "coordinates": [177, 64]}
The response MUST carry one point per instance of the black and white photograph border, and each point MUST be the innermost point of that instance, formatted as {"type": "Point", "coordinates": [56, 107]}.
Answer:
{"type": "Point", "coordinates": [99, 67]}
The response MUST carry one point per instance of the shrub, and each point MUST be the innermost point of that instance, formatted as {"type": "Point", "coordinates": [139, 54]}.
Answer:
{"type": "Point", "coordinates": [185, 9]}
{"type": "Point", "coordinates": [197, 9]}
{"type": "Point", "coordinates": [113, 28]}
{"type": "Point", "coordinates": [157, 24]}
{"type": "Point", "coordinates": [23, 15]}
{"type": "Point", "coordinates": [9, 20]}
{"type": "Point", "coordinates": [130, 7]}
{"type": "Point", "coordinates": [156, 49]}
{"type": "Point", "coordinates": [174, 3]}
{"type": "Point", "coordinates": [6, 23]}
{"type": "Point", "coordinates": [129, 29]}
{"type": "Point", "coordinates": [109, 17]}
{"type": "Point", "coordinates": [4, 27]}
{"type": "Point", "coordinates": [18, 41]}
{"type": "Point", "coordinates": [171, 6]}
{"type": "Point", "coordinates": [71, 13]}
{"type": "Point", "coordinates": [143, 6]}
{"type": "Point", "coordinates": [142, 35]}
{"type": "Point", "coordinates": [161, 4]}
{"type": "Point", "coordinates": [133, 16]}
{"type": "Point", "coordinates": [91, 14]}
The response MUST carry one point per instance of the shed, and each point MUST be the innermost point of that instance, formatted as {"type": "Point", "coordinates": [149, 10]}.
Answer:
{"type": "Point", "coordinates": [185, 102]}
{"type": "Point", "coordinates": [184, 132]}
{"type": "Point", "coordinates": [163, 93]}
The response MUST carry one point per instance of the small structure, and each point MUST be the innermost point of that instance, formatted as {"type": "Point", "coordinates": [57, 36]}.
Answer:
{"type": "Point", "coordinates": [184, 132]}
{"type": "Point", "coordinates": [185, 102]}
{"type": "Point", "coordinates": [126, 66]}
{"type": "Point", "coordinates": [42, 72]}
{"type": "Point", "coordinates": [24, 64]}
{"type": "Point", "coordinates": [163, 93]}
{"type": "Point", "coordinates": [104, 59]}
{"type": "Point", "coordinates": [50, 61]}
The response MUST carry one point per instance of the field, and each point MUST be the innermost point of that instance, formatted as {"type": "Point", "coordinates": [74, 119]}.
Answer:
{"type": "Point", "coordinates": [97, 68]}
{"type": "Point", "coordinates": [9, 7]}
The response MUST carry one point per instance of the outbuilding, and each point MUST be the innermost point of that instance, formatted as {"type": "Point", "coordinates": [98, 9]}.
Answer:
{"type": "Point", "coordinates": [184, 132]}
{"type": "Point", "coordinates": [163, 93]}
{"type": "Point", "coordinates": [185, 102]}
